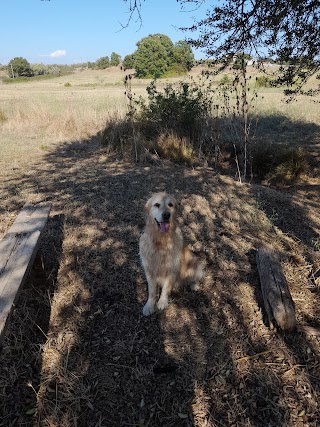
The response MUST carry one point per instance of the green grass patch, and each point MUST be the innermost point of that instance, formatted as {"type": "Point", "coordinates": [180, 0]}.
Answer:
{"type": "Point", "coordinates": [22, 79]}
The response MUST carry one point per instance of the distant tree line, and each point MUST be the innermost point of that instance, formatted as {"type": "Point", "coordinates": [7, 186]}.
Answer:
{"type": "Point", "coordinates": [106, 62]}
{"type": "Point", "coordinates": [20, 67]}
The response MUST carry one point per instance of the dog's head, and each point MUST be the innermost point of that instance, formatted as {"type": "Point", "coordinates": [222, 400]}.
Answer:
{"type": "Point", "coordinates": [161, 212]}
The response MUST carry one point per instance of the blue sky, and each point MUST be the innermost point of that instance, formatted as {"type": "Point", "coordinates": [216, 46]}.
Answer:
{"type": "Point", "coordinates": [72, 31]}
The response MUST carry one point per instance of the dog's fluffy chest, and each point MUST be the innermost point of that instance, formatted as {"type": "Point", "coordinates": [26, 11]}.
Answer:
{"type": "Point", "coordinates": [162, 255]}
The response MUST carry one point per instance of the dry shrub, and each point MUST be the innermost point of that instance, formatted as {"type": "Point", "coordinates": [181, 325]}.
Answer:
{"type": "Point", "coordinates": [264, 81]}
{"type": "Point", "coordinates": [292, 166]}
{"type": "Point", "coordinates": [116, 134]}
{"type": "Point", "coordinates": [263, 159]}
{"type": "Point", "coordinates": [36, 119]}
{"type": "Point", "coordinates": [72, 125]}
{"type": "Point", "coordinates": [138, 142]}
{"type": "Point", "coordinates": [121, 136]}
{"type": "Point", "coordinates": [171, 146]}
{"type": "Point", "coordinates": [168, 125]}
{"type": "Point", "coordinates": [28, 119]}
{"type": "Point", "coordinates": [69, 123]}
{"type": "Point", "coordinates": [278, 164]}
{"type": "Point", "coordinates": [3, 117]}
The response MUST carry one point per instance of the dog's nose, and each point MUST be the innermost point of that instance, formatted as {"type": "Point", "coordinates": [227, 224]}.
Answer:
{"type": "Point", "coordinates": [166, 216]}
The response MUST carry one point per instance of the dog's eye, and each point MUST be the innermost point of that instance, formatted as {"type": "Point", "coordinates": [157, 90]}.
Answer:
{"type": "Point", "coordinates": [157, 205]}
{"type": "Point", "coordinates": [170, 205]}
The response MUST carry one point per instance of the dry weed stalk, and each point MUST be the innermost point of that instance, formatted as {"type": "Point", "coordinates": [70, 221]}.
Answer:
{"type": "Point", "coordinates": [131, 110]}
{"type": "Point", "coordinates": [236, 105]}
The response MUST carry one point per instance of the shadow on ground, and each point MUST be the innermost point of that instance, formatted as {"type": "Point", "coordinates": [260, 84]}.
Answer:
{"type": "Point", "coordinates": [21, 365]}
{"type": "Point", "coordinates": [209, 359]}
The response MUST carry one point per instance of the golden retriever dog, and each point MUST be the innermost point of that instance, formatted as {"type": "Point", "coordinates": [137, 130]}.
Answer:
{"type": "Point", "coordinates": [166, 261]}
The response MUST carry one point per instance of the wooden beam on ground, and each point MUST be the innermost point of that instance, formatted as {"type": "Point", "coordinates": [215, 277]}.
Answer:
{"type": "Point", "coordinates": [277, 299]}
{"type": "Point", "coordinates": [18, 249]}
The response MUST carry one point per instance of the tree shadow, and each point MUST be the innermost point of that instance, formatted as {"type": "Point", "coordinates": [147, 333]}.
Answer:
{"type": "Point", "coordinates": [27, 331]}
{"type": "Point", "coordinates": [293, 216]}
{"type": "Point", "coordinates": [209, 359]}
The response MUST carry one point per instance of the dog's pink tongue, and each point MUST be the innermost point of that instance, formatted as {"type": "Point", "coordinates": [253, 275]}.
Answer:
{"type": "Point", "coordinates": [164, 227]}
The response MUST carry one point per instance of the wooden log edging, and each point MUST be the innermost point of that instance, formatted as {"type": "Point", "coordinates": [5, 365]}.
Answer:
{"type": "Point", "coordinates": [277, 299]}
{"type": "Point", "coordinates": [18, 249]}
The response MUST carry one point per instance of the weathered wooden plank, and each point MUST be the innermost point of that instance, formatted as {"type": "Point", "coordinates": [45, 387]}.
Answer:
{"type": "Point", "coordinates": [31, 218]}
{"type": "Point", "coordinates": [17, 252]}
{"type": "Point", "coordinates": [277, 299]}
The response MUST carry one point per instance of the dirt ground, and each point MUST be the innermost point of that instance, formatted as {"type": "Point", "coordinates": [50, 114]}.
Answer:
{"type": "Point", "coordinates": [78, 351]}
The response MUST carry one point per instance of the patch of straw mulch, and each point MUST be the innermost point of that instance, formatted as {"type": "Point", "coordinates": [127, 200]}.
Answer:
{"type": "Point", "coordinates": [80, 353]}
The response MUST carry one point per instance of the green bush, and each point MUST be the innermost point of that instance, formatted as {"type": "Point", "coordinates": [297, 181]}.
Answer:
{"type": "Point", "coordinates": [225, 80]}
{"type": "Point", "coordinates": [168, 124]}
{"type": "Point", "coordinates": [263, 81]}
{"type": "Point", "coordinates": [103, 63]}
{"type": "Point", "coordinates": [181, 108]}
{"type": "Point", "coordinates": [128, 61]}
{"type": "Point", "coordinates": [115, 59]}
{"type": "Point", "coordinates": [9, 80]}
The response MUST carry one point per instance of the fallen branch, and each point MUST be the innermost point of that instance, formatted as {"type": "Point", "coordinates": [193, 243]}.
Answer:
{"type": "Point", "coordinates": [276, 295]}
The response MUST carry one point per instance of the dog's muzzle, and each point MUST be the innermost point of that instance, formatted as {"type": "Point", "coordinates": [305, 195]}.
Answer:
{"type": "Point", "coordinates": [164, 225]}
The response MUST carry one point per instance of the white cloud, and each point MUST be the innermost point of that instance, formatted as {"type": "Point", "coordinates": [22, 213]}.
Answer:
{"type": "Point", "coordinates": [58, 53]}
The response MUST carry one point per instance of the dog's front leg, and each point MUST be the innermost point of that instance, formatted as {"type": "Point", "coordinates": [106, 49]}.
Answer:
{"type": "Point", "coordinates": [164, 297]}
{"type": "Point", "coordinates": [149, 307]}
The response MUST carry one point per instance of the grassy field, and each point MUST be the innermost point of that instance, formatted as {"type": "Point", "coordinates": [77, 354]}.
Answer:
{"type": "Point", "coordinates": [78, 351]}
{"type": "Point", "coordinates": [35, 116]}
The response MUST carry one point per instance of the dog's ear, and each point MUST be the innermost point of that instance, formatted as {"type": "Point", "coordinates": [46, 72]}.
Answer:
{"type": "Point", "coordinates": [147, 205]}
{"type": "Point", "coordinates": [176, 202]}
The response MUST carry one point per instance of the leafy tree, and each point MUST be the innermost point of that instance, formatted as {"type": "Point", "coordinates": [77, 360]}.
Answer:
{"type": "Point", "coordinates": [128, 61]}
{"type": "Point", "coordinates": [39, 69]}
{"type": "Point", "coordinates": [103, 62]}
{"type": "Point", "coordinates": [115, 59]}
{"type": "Point", "coordinates": [156, 55]}
{"type": "Point", "coordinates": [19, 67]}
{"type": "Point", "coordinates": [183, 55]}
{"type": "Point", "coordinates": [288, 31]}
{"type": "Point", "coordinates": [153, 56]}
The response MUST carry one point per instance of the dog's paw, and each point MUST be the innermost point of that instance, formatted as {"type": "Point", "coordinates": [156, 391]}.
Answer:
{"type": "Point", "coordinates": [148, 309]}
{"type": "Point", "coordinates": [162, 303]}
{"type": "Point", "coordinates": [200, 271]}
{"type": "Point", "coordinates": [195, 287]}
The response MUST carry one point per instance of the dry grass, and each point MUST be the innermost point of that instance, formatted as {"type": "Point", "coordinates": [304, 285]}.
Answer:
{"type": "Point", "coordinates": [78, 351]}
